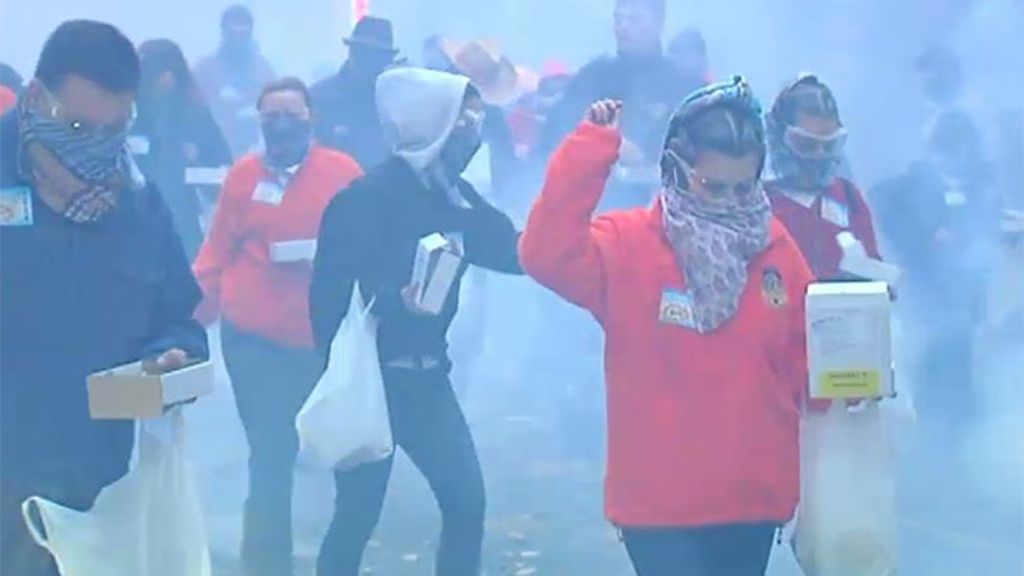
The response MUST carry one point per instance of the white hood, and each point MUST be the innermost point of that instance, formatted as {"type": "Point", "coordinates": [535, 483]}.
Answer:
{"type": "Point", "coordinates": [418, 111]}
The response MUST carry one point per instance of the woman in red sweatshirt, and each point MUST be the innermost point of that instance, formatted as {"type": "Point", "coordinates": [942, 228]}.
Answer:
{"type": "Point", "coordinates": [255, 270]}
{"type": "Point", "coordinates": [805, 142]}
{"type": "Point", "coordinates": [701, 300]}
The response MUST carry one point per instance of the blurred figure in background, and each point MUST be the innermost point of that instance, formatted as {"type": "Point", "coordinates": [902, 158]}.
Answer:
{"type": "Point", "coordinates": [175, 130]}
{"type": "Point", "coordinates": [941, 220]}
{"type": "Point", "coordinates": [806, 139]}
{"type": "Point", "coordinates": [10, 79]}
{"type": "Point", "coordinates": [369, 236]}
{"type": "Point", "coordinates": [646, 81]}
{"type": "Point", "coordinates": [529, 117]}
{"type": "Point", "coordinates": [346, 117]}
{"type": "Point", "coordinates": [10, 87]}
{"type": "Point", "coordinates": [703, 454]}
{"type": "Point", "coordinates": [231, 80]}
{"type": "Point", "coordinates": [7, 99]}
{"type": "Point", "coordinates": [495, 77]}
{"type": "Point", "coordinates": [92, 276]}
{"type": "Point", "coordinates": [278, 196]}
{"type": "Point", "coordinates": [689, 51]}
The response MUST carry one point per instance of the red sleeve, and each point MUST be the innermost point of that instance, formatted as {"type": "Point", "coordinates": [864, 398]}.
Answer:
{"type": "Point", "coordinates": [864, 224]}
{"type": "Point", "coordinates": [560, 246]}
{"type": "Point", "coordinates": [219, 248]}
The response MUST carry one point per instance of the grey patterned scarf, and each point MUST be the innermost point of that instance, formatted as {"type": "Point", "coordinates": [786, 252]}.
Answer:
{"type": "Point", "coordinates": [714, 240]}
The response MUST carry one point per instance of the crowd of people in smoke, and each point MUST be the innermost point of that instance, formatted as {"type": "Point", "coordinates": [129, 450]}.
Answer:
{"type": "Point", "coordinates": [686, 218]}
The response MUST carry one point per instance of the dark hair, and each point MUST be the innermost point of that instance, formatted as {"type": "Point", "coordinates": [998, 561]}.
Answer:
{"type": "Point", "coordinates": [95, 51]}
{"type": "Point", "coordinates": [161, 55]}
{"type": "Point", "coordinates": [657, 7]}
{"type": "Point", "coordinates": [726, 128]}
{"type": "Point", "coordinates": [237, 13]}
{"type": "Point", "coordinates": [287, 84]}
{"type": "Point", "coordinates": [808, 96]}
{"type": "Point", "coordinates": [10, 78]}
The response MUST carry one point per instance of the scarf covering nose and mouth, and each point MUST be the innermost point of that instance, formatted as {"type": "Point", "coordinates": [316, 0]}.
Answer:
{"type": "Point", "coordinates": [713, 238]}
{"type": "Point", "coordinates": [87, 167]}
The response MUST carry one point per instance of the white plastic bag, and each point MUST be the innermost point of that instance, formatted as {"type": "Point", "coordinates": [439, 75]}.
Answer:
{"type": "Point", "coordinates": [344, 423]}
{"type": "Point", "coordinates": [847, 522]}
{"type": "Point", "coordinates": [148, 523]}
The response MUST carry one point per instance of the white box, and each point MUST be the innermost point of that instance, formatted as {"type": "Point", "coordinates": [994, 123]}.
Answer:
{"type": "Point", "coordinates": [206, 176]}
{"type": "Point", "coordinates": [856, 262]}
{"type": "Point", "coordinates": [438, 260]}
{"type": "Point", "coordinates": [849, 342]}
{"type": "Point", "coordinates": [128, 393]}
{"type": "Point", "coordinates": [293, 251]}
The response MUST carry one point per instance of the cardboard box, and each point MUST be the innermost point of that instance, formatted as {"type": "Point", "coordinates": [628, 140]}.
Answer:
{"type": "Point", "coordinates": [293, 251]}
{"type": "Point", "coordinates": [849, 342]}
{"type": "Point", "coordinates": [206, 176]}
{"type": "Point", "coordinates": [438, 260]}
{"type": "Point", "coordinates": [128, 393]}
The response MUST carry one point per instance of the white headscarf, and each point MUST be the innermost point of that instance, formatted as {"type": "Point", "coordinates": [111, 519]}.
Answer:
{"type": "Point", "coordinates": [418, 110]}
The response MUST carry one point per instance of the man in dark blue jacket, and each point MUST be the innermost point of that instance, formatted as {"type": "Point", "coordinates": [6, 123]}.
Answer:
{"type": "Point", "coordinates": [92, 276]}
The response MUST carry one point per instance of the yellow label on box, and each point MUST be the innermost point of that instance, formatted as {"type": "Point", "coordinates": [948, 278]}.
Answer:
{"type": "Point", "coordinates": [850, 384]}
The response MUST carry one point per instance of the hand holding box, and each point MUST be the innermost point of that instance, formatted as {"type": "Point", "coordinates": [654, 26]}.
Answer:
{"type": "Point", "coordinates": [437, 265]}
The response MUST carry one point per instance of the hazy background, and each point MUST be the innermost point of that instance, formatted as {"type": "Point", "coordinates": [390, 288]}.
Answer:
{"type": "Point", "coordinates": [542, 486]}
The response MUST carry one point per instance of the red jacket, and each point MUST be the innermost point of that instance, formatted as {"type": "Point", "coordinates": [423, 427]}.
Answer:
{"type": "Point", "coordinates": [814, 223]}
{"type": "Point", "coordinates": [234, 268]}
{"type": "Point", "coordinates": [8, 99]}
{"type": "Point", "coordinates": [703, 429]}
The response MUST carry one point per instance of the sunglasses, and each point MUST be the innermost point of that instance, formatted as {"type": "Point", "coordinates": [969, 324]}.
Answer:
{"type": "Point", "coordinates": [471, 120]}
{"type": "Point", "coordinates": [712, 186]}
{"type": "Point", "coordinates": [719, 188]}
{"type": "Point", "coordinates": [814, 146]}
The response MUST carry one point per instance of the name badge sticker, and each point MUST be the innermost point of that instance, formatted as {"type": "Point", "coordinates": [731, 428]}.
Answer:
{"type": "Point", "coordinates": [835, 212]}
{"type": "Point", "coordinates": [268, 192]}
{"type": "Point", "coordinates": [677, 309]}
{"type": "Point", "coordinates": [16, 206]}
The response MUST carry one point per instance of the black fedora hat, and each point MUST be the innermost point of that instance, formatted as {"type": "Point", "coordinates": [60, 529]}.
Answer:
{"type": "Point", "coordinates": [374, 33]}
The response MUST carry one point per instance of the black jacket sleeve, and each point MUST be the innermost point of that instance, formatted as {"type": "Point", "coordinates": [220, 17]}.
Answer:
{"type": "Point", "coordinates": [334, 270]}
{"type": "Point", "coordinates": [491, 239]}
{"type": "Point", "coordinates": [178, 297]}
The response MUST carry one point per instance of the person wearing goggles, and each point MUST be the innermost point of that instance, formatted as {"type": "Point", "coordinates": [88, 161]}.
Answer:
{"type": "Point", "coordinates": [806, 142]}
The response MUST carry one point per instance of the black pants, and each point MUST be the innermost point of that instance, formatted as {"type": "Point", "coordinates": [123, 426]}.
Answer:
{"type": "Point", "coordinates": [428, 424]}
{"type": "Point", "coordinates": [270, 383]}
{"type": "Point", "coordinates": [19, 553]}
{"type": "Point", "coordinates": [727, 550]}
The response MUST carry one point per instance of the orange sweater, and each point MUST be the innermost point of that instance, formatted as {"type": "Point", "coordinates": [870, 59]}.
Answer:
{"type": "Point", "coordinates": [702, 428]}
{"type": "Point", "coordinates": [234, 268]}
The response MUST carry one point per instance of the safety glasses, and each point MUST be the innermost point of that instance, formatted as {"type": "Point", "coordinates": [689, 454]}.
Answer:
{"type": "Point", "coordinates": [815, 146]}
{"type": "Point", "coordinates": [57, 112]}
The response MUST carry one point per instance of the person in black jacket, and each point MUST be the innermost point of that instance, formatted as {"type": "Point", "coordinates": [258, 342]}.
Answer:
{"type": "Point", "coordinates": [92, 276]}
{"type": "Point", "coordinates": [941, 220]}
{"type": "Point", "coordinates": [346, 117]}
{"type": "Point", "coordinates": [175, 131]}
{"type": "Point", "coordinates": [649, 84]}
{"type": "Point", "coordinates": [369, 235]}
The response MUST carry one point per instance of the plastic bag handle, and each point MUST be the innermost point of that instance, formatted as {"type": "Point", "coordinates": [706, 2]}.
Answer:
{"type": "Point", "coordinates": [33, 528]}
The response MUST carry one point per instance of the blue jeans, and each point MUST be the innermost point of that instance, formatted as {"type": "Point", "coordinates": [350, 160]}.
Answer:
{"type": "Point", "coordinates": [727, 550]}
{"type": "Point", "coordinates": [428, 424]}
{"type": "Point", "coordinates": [270, 383]}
